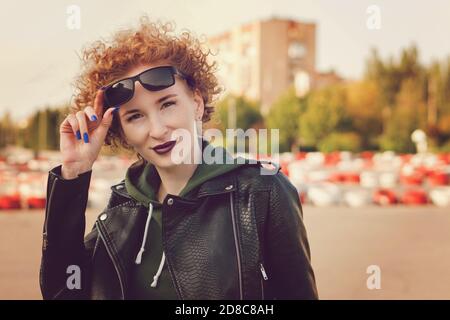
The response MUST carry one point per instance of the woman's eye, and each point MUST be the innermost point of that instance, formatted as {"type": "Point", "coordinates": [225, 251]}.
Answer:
{"type": "Point", "coordinates": [167, 104]}
{"type": "Point", "coordinates": [132, 117]}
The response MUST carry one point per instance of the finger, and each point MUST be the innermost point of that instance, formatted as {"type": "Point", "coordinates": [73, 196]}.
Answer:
{"type": "Point", "coordinates": [98, 103]}
{"type": "Point", "coordinates": [91, 113]}
{"type": "Point", "coordinates": [81, 118]}
{"type": "Point", "coordinates": [74, 124]}
{"type": "Point", "coordinates": [106, 122]}
{"type": "Point", "coordinates": [70, 124]}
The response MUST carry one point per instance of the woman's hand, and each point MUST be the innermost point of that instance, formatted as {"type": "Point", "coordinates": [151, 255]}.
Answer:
{"type": "Point", "coordinates": [82, 136]}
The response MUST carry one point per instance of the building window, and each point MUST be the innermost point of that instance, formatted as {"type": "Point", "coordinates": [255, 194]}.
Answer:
{"type": "Point", "coordinates": [296, 50]}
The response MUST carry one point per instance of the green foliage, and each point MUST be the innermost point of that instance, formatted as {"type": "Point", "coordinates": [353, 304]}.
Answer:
{"type": "Point", "coordinates": [365, 110]}
{"type": "Point", "coordinates": [411, 96]}
{"type": "Point", "coordinates": [42, 132]}
{"type": "Point", "coordinates": [389, 75]}
{"type": "Point", "coordinates": [325, 113]}
{"type": "Point", "coordinates": [408, 115]}
{"type": "Point", "coordinates": [7, 131]}
{"type": "Point", "coordinates": [396, 97]}
{"type": "Point", "coordinates": [247, 113]}
{"type": "Point", "coordinates": [284, 115]}
{"type": "Point", "coordinates": [345, 141]}
{"type": "Point", "coordinates": [445, 147]}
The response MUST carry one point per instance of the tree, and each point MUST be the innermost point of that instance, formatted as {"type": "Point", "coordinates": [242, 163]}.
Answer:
{"type": "Point", "coordinates": [364, 108]}
{"type": "Point", "coordinates": [342, 141]}
{"type": "Point", "coordinates": [247, 113]}
{"type": "Point", "coordinates": [284, 115]}
{"type": "Point", "coordinates": [389, 76]}
{"type": "Point", "coordinates": [7, 130]}
{"type": "Point", "coordinates": [409, 114]}
{"type": "Point", "coordinates": [325, 113]}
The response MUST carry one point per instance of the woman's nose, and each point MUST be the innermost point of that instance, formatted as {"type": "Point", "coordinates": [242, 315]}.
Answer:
{"type": "Point", "coordinates": [157, 127]}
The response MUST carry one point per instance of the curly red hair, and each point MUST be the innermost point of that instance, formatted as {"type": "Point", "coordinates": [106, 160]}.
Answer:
{"type": "Point", "coordinates": [105, 61]}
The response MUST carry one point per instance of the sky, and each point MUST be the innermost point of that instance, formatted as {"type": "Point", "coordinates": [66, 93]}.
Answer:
{"type": "Point", "coordinates": [40, 54]}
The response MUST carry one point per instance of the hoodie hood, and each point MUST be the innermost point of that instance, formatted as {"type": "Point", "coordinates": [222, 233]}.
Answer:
{"type": "Point", "coordinates": [142, 180]}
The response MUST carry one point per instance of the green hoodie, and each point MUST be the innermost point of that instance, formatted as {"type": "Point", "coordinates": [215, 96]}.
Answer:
{"type": "Point", "coordinates": [142, 183]}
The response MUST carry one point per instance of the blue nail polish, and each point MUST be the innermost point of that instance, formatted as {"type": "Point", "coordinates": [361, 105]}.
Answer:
{"type": "Point", "coordinates": [94, 118]}
{"type": "Point", "coordinates": [78, 135]}
{"type": "Point", "coordinates": [86, 137]}
{"type": "Point", "coordinates": [116, 109]}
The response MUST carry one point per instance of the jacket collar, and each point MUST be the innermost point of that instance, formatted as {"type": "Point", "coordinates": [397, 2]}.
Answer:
{"type": "Point", "coordinates": [222, 184]}
{"type": "Point", "coordinates": [218, 185]}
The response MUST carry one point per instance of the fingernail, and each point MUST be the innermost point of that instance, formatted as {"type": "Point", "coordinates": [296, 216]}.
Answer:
{"type": "Point", "coordinates": [94, 118]}
{"type": "Point", "coordinates": [86, 137]}
{"type": "Point", "coordinates": [116, 109]}
{"type": "Point", "coordinates": [78, 135]}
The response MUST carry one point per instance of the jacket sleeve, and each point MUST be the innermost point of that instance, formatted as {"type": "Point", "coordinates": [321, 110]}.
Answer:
{"type": "Point", "coordinates": [289, 257]}
{"type": "Point", "coordinates": [65, 252]}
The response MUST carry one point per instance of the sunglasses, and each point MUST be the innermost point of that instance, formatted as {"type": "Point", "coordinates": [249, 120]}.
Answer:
{"type": "Point", "coordinates": [153, 79]}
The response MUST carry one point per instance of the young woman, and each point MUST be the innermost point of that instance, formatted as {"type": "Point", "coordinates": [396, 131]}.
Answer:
{"type": "Point", "coordinates": [172, 229]}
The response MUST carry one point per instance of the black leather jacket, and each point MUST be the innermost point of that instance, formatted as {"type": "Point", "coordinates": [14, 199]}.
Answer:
{"type": "Point", "coordinates": [241, 237]}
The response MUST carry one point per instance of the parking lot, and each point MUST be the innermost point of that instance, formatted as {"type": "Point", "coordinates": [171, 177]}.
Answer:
{"type": "Point", "coordinates": [411, 245]}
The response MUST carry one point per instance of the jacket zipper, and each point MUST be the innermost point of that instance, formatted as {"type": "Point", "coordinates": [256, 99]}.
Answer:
{"type": "Point", "coordinates": [112, 259]}
{"type": "Point", "coordinates": [174, 282]}
{"type": "Point", "coordinates": [46, 215]}
{"type": "Point", "coordinates": [169, 266]}
{"type": "Point", "coordinates": [263, 272]}
{"type": "Point", "coordinates": [238, 254]}
{"type": "Point", "coordinates": [262, 289]}
{"type": "Point", "coordinates": [264, 278]}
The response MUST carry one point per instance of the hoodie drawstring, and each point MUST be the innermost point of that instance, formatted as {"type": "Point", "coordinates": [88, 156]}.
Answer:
{"type": "Point", "coordinates": [141, 251]}
{"type": "Point", "coordinates": [161, 265]}
{"type": "Point", "coordinates": [147, 223]}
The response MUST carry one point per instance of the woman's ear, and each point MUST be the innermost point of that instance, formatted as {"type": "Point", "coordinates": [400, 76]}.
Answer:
{"type": "Point", "coordinates": [199, 105]}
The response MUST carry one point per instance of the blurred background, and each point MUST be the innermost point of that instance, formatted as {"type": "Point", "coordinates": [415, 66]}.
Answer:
{"type": "Point", "coordinates": [359, 91]}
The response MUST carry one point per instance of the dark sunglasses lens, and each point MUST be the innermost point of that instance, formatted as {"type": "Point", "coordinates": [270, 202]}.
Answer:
{"type": "Point", "coordinates": [157, 79]}
{"type": "Point", "coordinates": [119, 93]}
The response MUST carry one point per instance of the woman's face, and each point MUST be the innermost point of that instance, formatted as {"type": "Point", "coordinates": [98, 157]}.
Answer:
{"type": "Point", "coordinates": [150, 118]}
